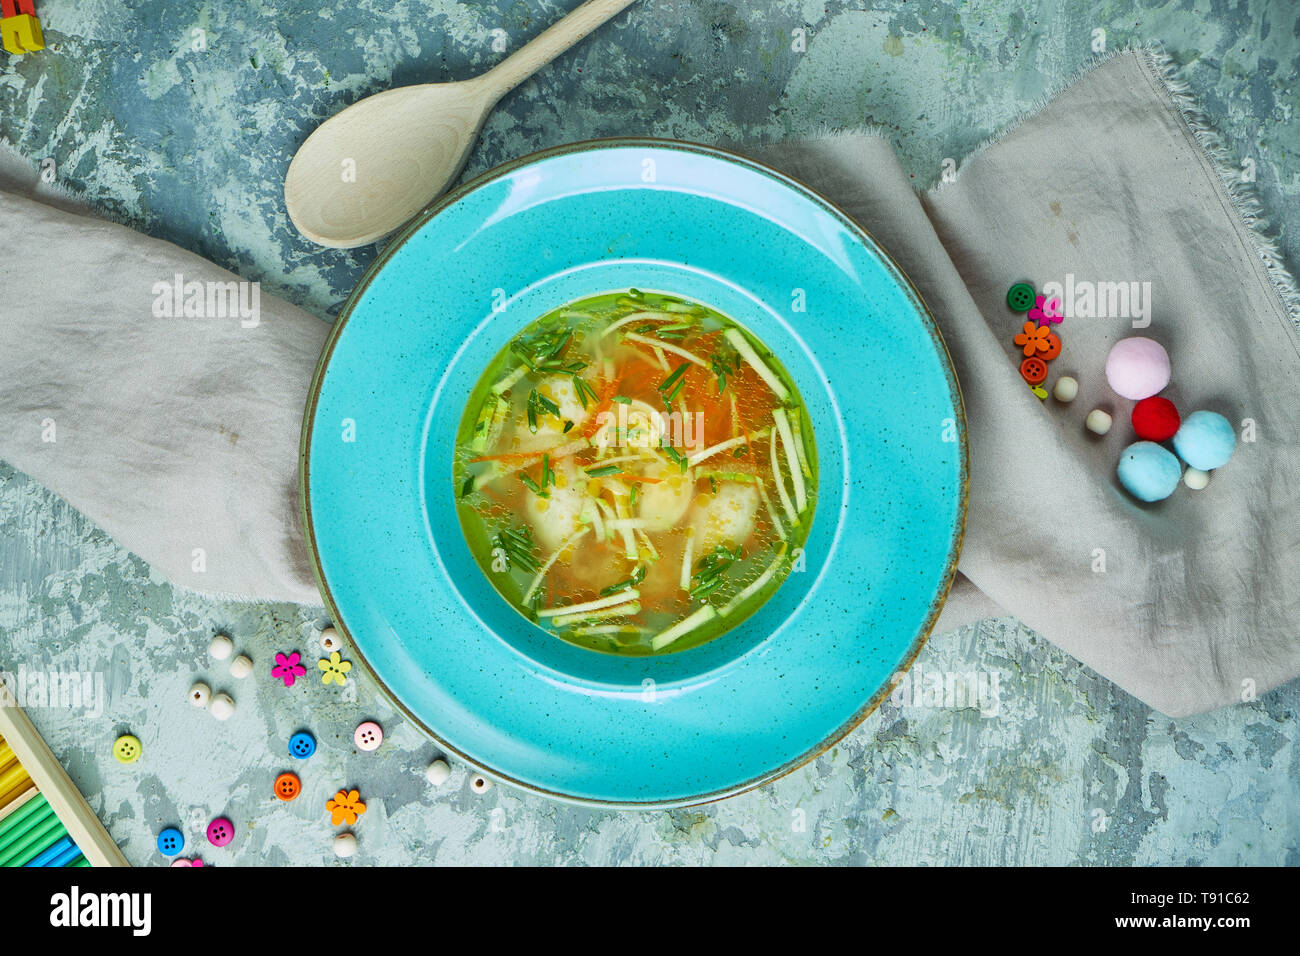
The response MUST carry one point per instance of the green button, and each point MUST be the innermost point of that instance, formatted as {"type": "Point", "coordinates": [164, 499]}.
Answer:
{"type": "Point", "coordinates": [1021, 297]}
{"type": "Point", "coordinates": [127, 749]}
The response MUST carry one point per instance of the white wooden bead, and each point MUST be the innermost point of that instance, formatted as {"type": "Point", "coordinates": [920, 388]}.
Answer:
{"type": "Point", "coordinates": [1098, 421]}
{"type": "Point", "coordinates": [1065, 389]}
{"type": "Point", "coordinates": [330, 640]}
{"type": "Point", "coordinates": [200, 694]}
{"type": "Point", "coordinates": [437, 772]}
{"type": "Point", "coordinates": [221, 647]}
{"type": "Point", "coordinates": [345, 845]}
{"type": "Point", "coordinates": [241, 667]}
{"type": "Point", "coordinates": [223, 707]}
{"type": "Point", "coordinates": [479, 783]}
{"type": "Point", "coordinates": [1196, 479]}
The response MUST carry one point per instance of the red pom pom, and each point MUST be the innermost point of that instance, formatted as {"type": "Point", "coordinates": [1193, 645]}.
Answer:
{"type": "Point", "coordinates": [1155, 419]}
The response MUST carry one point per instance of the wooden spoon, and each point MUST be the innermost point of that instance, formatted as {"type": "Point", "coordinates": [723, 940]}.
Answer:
{"type": "Point", "coordinates": [366, 171]}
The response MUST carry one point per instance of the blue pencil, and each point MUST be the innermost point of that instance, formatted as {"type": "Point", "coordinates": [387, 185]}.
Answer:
{"type": "Point", "coordinates": [43, 858]}
{"type": "Point", "coordinates": [66, 857]}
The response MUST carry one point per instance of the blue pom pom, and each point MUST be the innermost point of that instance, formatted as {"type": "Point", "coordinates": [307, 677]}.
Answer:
{"type": "Point", "coordinates": [1148, 471]}
{"type": "Point", "coordinates": [1205, 440]}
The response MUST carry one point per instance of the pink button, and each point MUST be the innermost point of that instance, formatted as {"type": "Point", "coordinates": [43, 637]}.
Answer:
{"type": "Point", "coordinates": [184, 862]}
{"type": "Point", "coordinates": [220, 831]}
{"type": "Point", "coordinates": [368, 736]}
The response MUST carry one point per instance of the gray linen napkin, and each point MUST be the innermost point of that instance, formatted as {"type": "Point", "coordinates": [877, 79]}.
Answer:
{"type": "Point", "coordinates": [179, 436]}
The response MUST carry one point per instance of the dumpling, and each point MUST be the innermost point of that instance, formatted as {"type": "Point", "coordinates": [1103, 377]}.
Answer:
{"type": "Point", "coordinates": [555, 518]}
{"type": "Point", "coordinates": [726, 517]}
{"type": "Point", "coordinates": [661, 506]}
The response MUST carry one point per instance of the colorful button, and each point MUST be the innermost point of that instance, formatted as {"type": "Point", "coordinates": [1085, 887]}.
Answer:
{"type": "Point", "coordinates": [170, 841]}
{"type": "Point", "coordinates": [288, 786]}
{"type": "Point", "coordinates": [1051, 348]}
{"type": "Point", "coordinates": [345, 807]}
{"type": "Point", "coordinates": [1021, 297]}
{"type": "Point", "coordinates": [302, 745]}
{"type": "Point", "coordinates": [220, 831]}
{"type": "Point", "coordinates": [1032, 339]}
{"type": "Point", "coordinates": [127, 749]}
{"type": "Point", "coordinates": [368, 736]}
{"type": "Point", "coordinates": [1033, 371]}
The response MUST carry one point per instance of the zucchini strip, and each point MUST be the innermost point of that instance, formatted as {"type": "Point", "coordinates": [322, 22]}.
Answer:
{"type": "Point", "coordinates": [780, 484]}
{"type": "Point", "coordinates": [699, 456]}
{"type": "Point", "coordinates": [791, 459]}
{"type": "Point", "coordinates": [761, 580]}
{"type": "Point", "coordinates": [683, 627]}
{"type": "Point", "coordinates": [796, 423]}
{"type": "Point", "coordinates": [771, 512]}
{"type": "Point", "coordinates": [550, 561]}
{"type": "Point", "coordinates": [509, 380]}
{"type": "Point", "coordinates": [639, 317]}
{"type": "Point", "coordinates": [737, 338]}
{"type": "Point", "coordinates": [621, 610]}
{"type": "Point", "coordinates": [689, 356]}
{"type": "Point", "coordinates": [620, 597]}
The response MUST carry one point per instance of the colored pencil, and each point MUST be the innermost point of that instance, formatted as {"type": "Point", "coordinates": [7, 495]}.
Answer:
{"type": "Point", "coordinates": [32, 842]}
{"type": "Point", "coordinates": [56, 786]}
{"type": "Point", "coordinates": [67, 856]}
{"type": "Point", "coordinates": [52, 852]}
{"type": "Point", "coordinates": [10, 807]}
{"type": "Point", "coordinates": [27, 816]}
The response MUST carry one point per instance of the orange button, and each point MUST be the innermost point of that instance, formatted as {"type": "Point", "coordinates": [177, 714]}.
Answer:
{"type": "Point", "coordinates": [287, 786]}
{"type": "Point", "coordinates": [1033, 371]}
{"type": "Point", "coordinates": [1052, 348]}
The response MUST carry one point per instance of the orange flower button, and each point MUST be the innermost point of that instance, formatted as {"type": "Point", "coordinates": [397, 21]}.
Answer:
{"type": "Point", "coordinates": [1033, 338]}
{"type": "Point", "coordinates": [345, 807]}
{"type": "Point", "coordinates": [287, 786]}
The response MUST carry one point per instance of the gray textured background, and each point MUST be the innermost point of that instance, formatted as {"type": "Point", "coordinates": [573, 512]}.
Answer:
{"type": "Point", "coordinates": [192, 147]}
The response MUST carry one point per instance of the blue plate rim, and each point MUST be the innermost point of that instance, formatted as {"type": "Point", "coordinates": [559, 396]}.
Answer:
{"type": "Point", "coordinates": [725, 155]}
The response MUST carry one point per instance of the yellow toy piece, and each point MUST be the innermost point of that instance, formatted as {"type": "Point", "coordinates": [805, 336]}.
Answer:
{"type": "Point", "coordinates": [22, 34]}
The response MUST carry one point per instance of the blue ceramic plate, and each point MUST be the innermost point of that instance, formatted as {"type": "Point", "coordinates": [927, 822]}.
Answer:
{"type": "Point", "coordinates": [451, 290]}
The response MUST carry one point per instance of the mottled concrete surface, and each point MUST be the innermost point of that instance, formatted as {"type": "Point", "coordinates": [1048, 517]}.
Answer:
{"type": "Point", "coordinates": [192, 146]}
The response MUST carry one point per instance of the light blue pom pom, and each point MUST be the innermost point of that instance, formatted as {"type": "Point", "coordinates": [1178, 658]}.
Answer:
{"type": "Point", "coordinates": [1148, 471]}
{"type": "Point", "coordinates": [1205, 440]}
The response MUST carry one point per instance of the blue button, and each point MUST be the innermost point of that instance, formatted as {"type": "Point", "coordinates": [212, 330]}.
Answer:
{"type": "Point", "coordinates": [170, 841]}
{"type": "Point", "coordinates": [302, 745]}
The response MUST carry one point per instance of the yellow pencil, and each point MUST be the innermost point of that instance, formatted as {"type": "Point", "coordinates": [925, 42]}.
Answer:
{"type": "Point", "coordinates": [12, 777]}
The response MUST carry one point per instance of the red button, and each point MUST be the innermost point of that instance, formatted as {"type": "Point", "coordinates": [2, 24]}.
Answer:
{"type": "Point", "coordinates": [1033, 371]}
{"type": "Point", "coordinates": [1053, 348]}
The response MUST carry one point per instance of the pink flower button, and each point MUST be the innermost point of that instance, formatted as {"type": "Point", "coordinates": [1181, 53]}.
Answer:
{"type": "Point", "coordinates": [220, 831]}
{"type": "Point", "coordinates": [287, 668]}
{"type": "Point", "coordinates": [1046, 311]}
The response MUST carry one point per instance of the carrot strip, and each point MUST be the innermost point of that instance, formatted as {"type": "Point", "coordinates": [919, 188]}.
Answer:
{"type": "Point", "coordinates": [627, 477]}
{"type": "Point", "coordinates": [606, 399]}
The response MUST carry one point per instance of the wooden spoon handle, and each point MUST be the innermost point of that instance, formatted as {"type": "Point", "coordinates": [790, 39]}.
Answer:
{"type": "Point", "coordinates": [557, 38]}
